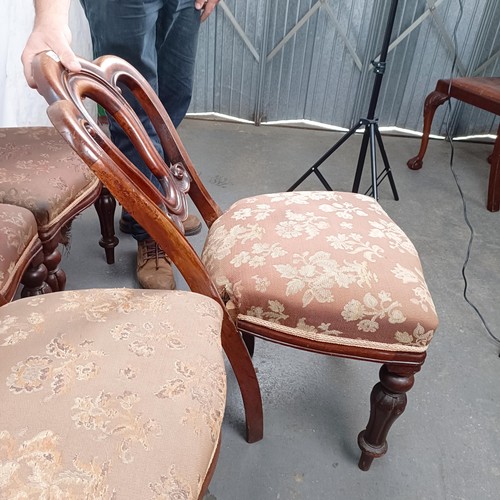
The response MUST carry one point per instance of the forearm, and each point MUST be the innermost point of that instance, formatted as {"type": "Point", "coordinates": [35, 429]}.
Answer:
{"type": "Point", "coordinates": [53, 12]}
{"type": "Point", "coordinates": [50, 32]}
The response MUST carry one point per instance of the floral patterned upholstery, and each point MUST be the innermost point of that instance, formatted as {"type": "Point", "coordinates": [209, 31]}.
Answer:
{"type": "Point", "coordinates": [40, 172]}
{"type": "Point", "coordinates": [109, 394]}
{"type": "Point", "coordinates": [326, 266]}
{"type": "Point", "coordinates": [18, 237]}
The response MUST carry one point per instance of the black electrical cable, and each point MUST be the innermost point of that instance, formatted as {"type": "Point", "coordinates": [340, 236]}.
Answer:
{"type": "Point", "coordinates": [464, 204]}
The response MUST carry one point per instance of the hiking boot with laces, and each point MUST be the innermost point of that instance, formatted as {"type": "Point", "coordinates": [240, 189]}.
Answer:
{"type": "Point", "coordinates": [154, 270]}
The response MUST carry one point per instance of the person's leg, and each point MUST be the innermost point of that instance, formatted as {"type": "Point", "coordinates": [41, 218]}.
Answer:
{"type": "Point", "coordinates": [177, 41]}
{"type": "Point", "coordinates": [127, 28]}
{"type": "Point", "coordinates": [135, 30]}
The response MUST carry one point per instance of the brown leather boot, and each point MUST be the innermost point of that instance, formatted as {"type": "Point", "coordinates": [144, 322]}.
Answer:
{"type": "Point", "coordinates": [192, 225]}
{"type": "Point", "coordinates": [153, 267]}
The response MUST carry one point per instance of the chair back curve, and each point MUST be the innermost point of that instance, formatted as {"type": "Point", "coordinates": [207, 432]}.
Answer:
{"type": "Point", "coordinates": [160, 214]}
{"type": "Point", "coordinates": [103, 81]}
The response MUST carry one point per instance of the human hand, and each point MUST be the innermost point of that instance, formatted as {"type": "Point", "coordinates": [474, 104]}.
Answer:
{"type": "Point", "coordinates": [49, 37]}
{"type": "Point", "coordinates": [207, 6]}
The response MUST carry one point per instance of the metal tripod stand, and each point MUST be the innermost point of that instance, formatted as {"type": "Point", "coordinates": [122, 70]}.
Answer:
{"type": "Point", "coordinates": [371, 135]}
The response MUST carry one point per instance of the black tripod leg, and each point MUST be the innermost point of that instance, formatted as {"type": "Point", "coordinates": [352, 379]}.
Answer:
{"type": "Point", "coordinates": [373, 160]}
{"type": "Point", "coordinates": [302, 179]}
{"type": "Point", "coordinates": [319, 175]}
{"type": "Point", "coordinates": [361, 159]}
{"type": "Point", "coordinates": [387, 166]}
{"type": "Point", "coordinates": [369, 122]}
{"type": "Point", "coordinates": [314, 169]}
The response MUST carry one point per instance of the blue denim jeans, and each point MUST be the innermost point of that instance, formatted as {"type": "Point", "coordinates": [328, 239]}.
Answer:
{"type": "Point", "coordinates": [159, 38]}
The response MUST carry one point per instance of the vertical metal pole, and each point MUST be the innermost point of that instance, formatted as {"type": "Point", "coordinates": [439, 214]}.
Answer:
{"type": "Point", "coordinates": [257, 115]}
{"type": "Point", "coordinates": [373, 157]}
{"type": "Point", "coordinates": [371, 134]}
{"type": "Point", "coordinates": [380, 65]}
{"type": "Point", "coordinates": [372, 44]}
{"type": "Point", "coordinates": [371, 125]}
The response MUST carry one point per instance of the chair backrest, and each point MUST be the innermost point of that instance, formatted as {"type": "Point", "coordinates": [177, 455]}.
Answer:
{"type": "Point", "coordinates": [160, 214]}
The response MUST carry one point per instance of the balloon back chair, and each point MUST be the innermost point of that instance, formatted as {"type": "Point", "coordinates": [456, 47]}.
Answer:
{"type": "Point", "coordinates": [327, 272]}
{"type": "Point", "coordinates": [39, 172]}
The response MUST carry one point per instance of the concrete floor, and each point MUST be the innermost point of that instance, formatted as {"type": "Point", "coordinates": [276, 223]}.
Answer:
{"type": "Point", "coordinates": [446, 445]}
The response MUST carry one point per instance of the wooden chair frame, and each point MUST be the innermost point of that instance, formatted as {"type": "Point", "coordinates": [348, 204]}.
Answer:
{"type": "Point", "coordinates": [161, 216]}
{"type": "Point", "coordinates": [30, 271]}
{"type": "Point", "coordinates": [483, 93]}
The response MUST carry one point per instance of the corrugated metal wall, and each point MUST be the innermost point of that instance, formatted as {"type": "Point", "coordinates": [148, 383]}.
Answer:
{"type": "Point", "coordinates": [267, 60]}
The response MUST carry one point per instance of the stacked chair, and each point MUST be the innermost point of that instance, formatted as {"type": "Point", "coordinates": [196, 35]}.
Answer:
{"type": "Point", "coordinates": [39, 172]}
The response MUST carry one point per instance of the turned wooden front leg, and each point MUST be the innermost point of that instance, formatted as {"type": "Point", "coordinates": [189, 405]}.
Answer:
{"type": "Point", "coordinates": [105, 206]}
{"type": "Point", "coordinates": [432, 102]}
{"type": "Point", "coordinates": [56, 278]}
{"type": "Point", "coordinates": [35, 277]}
{"type": "Point", "coordinates": [388, 402]}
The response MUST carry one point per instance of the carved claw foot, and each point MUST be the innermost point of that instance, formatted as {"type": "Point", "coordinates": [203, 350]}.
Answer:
{"type": "Point", "coordinates": [414, 163]}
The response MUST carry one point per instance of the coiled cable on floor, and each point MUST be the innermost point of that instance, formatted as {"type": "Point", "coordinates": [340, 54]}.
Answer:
{"type": "Point", "coordinates": [464, 204]}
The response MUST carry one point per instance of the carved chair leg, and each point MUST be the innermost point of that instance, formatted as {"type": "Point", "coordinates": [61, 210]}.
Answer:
{"type": "Point", "coordinates": [388, 402]}
{"type": "Point", "coordinates": [105, 206]}
{"type": "Point", "coordinates": [493, 203]}
{"type": "Point", "coordinates": [432, 102]}
{"type": "Point", "coordinates": [245, 374]}
{"type": "Point", "coordinates": [56, 278]}
{"type": "Point", "coordinates": [34, 278]}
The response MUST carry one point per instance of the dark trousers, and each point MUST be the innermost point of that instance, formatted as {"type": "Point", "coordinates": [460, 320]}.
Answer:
{"type": "Point", "coordinates": [159, 38]}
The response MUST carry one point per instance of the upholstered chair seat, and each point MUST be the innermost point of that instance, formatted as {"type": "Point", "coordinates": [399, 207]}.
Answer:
{"type": "Point", "coordinates": [20, 253]}
{"type": "Point", "coordinates": [110, 393]}
{"type": "Point", "coordinates": [38, 171]}
{"type": "Point", "coordinates": [324, 266]}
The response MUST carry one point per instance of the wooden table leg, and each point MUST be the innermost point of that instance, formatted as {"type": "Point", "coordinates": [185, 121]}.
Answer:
{"type": "Point", "coordinates": [493, 203]}
{"type": "Point", "coordinates": [432, 102]}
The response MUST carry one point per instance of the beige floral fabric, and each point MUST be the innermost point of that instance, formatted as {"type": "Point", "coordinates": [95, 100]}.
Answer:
{"type": "Point", "coordinates": [109, 394]}
{"type": "Point", "coordinates": [40, 172]}
{"type": "Point", "coordinates": [327, 266]}
{"type": "Point", "coordinates": [18, 235]}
